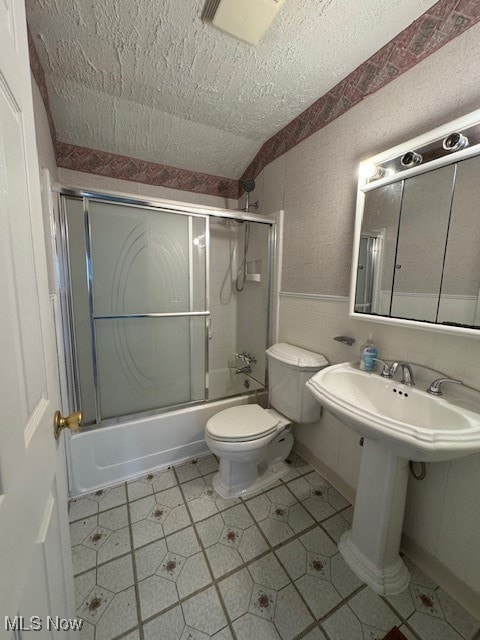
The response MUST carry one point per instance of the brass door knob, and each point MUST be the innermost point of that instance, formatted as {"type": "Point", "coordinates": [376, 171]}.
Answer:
{"type": "Point", "coordinates": [74, 421]}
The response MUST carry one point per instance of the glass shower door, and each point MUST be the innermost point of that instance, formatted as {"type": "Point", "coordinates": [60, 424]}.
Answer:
{"type": "Point", "coordinates": [147, 305]}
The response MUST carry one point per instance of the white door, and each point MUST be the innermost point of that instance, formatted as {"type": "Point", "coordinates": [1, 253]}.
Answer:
{"type": "Point", "coordinates": [35, 567]}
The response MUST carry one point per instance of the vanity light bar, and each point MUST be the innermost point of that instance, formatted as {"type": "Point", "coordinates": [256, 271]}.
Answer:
{"type": "Point", "coordinates": [438, 148]}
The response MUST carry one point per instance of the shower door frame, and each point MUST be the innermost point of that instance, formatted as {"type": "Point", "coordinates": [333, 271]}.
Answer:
{"type": "Point", "coordinates": [66, 303]}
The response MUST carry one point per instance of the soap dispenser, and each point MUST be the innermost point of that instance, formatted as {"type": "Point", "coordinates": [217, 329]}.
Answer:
{"type": "Point", "coordinates": [368, 353]}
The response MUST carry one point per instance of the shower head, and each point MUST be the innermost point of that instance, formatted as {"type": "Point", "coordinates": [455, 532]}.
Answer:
{"type": "Point", "coordinates": [249, 185]}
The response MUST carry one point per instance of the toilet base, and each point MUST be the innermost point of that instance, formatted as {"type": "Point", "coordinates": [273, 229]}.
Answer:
{"type": "Point", "coordinates": [264, 480]}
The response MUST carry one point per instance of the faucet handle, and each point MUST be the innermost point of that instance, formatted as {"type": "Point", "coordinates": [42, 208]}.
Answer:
{"type": "Point", "coordinates": [387, 368]}
{"type": "Point", "coordinates": [435, 388]}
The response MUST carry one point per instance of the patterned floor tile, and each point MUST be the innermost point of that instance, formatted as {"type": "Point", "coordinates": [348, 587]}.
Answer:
{"type": "Point", "coordinates": [98, 501]}
{"type": "Point", "coordinates": [426, 601]}
{"type": "Point", "coordinates": [133, 635]}
{"type": "Point", "coordinates": [430, 628]}
{"type": "Point", "coordinates": [457, 617]}
{"type": "Point", "coordinates": [158, 515]}
{"type": "Point", "coordinates": [317, 496]}
{"type": "Point", "coordinates": [115, 545]}
{"type": "Point", "coordinates": [366, 614]}
{"type": "Point", "coordinates": [336, 526]}
{"type": "Point", "coordinates": [177, 559]}
{"type": "Point", "coordinates": [114, 519]}
{"type": "Point", "coordinates": [198, 618]}
{"type": "Point", "coordinates": [138, 489]}
{"type": "Point", "coordinates": [81, 529]}
{"type": "Point", "coordinates": [272, 597]}
{"type": "Point", "coordinates": [268, 572]}
{"type": "Point", "coordinates": [100, 544]}
{"type": "Point", "coordinates": [201, 496]}
{"type": "Point", "coordinates": [120, 616]}
{"type": "Point", "coordinates": [160, 480]}
{"type": "Point", "coordinates": [235, 530]}
{"type": "Point", "coordinates": [93, 533]}
{"type": "Point", "coordinates": [95, 605]}
{"type": "Point", "coordinates": [110, 497]}
{"type": "Point", "coordinates": [88, 631]}
{"type": "Point", "coordinates": [250, 626]}
{"type": "Point", "coordinates": [208, 465]}
{"type": "Point", "coordinates": [223, 559]}
{"type": "Point", "coordinates": [188, 470]}
{"type": "Point", "coordinates": [279, 515]}
{"type": "Point", "coordinates": [97, 538]}
{"type": "Point", "coordinates": [82, 508]}
{"type": "Point", "coordinates": [116, 575]}
{"type": "Point", "coordinates": [156, 594]}
{"type": "Point", "coordinates": [83, 559]}
{"type": "Point", "coordinates": [84, 585]}
{"type": "Point", "coordinates": [204, 612]}
{"type": "Point", "coordinates": [297, 467]}
{"type": "Point", "coordinates": [315, 634]}
{"type": "Point", "coordinates": [202, 508]}
{"type": "Point", "coordinates": [145, 531]}
{"type": "Point", "coordinates": [433, 602]}
{"type": "Point", "coordinates": [417, 576]}
{"type": "Point", "coordinates": [409, 635]}
{"type": "Point", "coordinates": [319, 571]}
{"type": "Point", "coordinates": [264, 592]}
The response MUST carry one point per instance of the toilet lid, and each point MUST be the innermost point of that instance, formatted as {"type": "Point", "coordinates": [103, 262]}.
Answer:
{"type": "Point", "coordinates": [246, 422]}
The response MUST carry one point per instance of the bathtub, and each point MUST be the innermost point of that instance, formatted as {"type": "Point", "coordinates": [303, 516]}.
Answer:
{"type": "Point", "coordinates": [119, 452]}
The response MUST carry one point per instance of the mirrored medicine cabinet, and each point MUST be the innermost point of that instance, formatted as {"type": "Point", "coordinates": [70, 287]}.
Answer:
{"type": "Point", "coordinates": [417, 239]}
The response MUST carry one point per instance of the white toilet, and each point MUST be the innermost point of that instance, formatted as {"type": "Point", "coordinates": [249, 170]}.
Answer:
{"type": "Point", "coordinates": [253, 443]}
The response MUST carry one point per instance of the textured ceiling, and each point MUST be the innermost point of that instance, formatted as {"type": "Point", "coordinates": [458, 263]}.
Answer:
{"type": "Point", "coordinates": [148, 79]}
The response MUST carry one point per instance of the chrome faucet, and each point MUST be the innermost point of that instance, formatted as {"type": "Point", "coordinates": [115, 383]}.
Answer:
{"type": "Point", "coordinates": [386, 371]}
{"type": "Point", "coordinates": [389, 370]}
{"type": "Point", "coordinates": [407, 373]}
{"type": "Point", "coordinates": [247, 369]}
{"type": "Point", "coordinates": [435, 388]}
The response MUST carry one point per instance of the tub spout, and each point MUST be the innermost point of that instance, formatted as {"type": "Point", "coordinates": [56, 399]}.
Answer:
{"type": "Point", "coordinates": [247, 369]}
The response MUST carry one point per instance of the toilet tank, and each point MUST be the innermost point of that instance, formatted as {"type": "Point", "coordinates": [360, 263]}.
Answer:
{"type": "Point", "coordinates": [289, 368]}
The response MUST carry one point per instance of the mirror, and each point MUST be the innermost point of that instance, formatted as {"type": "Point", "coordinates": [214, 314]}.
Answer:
{"type": "Point", "coordinates": [417, 256]}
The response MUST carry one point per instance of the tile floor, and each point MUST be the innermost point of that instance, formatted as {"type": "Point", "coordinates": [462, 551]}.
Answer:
{"type": "Point", "coordinates": [166, 558]}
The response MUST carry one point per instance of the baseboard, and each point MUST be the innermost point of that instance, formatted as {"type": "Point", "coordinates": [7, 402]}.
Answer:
{"type": "Point", "coordinates": [347, 491]}
{"type": "Point", "coordinates": [443, 576]}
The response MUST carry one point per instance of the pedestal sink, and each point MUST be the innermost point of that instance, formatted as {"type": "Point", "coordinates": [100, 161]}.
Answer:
{"type": "Point", "coordinates": [399, 423]}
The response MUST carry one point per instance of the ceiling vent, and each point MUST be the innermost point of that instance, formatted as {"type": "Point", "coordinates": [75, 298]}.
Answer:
{"type": "Point", "coordinates": [246, 20]}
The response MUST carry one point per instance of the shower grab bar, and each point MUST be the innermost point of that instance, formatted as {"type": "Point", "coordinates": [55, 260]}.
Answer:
{"type": "Point", "coordinates": [178, 314]}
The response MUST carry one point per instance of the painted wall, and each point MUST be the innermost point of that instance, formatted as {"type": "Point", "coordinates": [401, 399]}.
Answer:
{"type": "Point", "coordinates": [315, 184]}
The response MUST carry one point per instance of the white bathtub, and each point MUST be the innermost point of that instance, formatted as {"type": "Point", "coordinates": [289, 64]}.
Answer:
{"type": "Point", "coordinates": [111, 454]}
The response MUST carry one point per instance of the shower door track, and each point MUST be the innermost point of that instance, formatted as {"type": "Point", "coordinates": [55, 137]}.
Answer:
{"type": "Point", "coordinates": [179, 314]}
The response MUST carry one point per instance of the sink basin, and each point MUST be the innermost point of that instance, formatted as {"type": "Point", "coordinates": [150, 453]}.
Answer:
{"type": "Point", "coordinates": [414, 424]}
{"type": "Point", "coordinates": [399, 423]}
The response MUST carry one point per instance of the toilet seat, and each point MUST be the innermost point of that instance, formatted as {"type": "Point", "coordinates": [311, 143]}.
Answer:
{"type": "Point", "coordinates": [242, 423]}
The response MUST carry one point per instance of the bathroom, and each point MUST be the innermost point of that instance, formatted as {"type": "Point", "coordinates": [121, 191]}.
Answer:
{"type": "Point", "coordinates": [404, 71]}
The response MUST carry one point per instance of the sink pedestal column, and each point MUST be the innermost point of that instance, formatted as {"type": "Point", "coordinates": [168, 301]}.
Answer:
{"type": "Point", "coordinates": [371, 547]}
